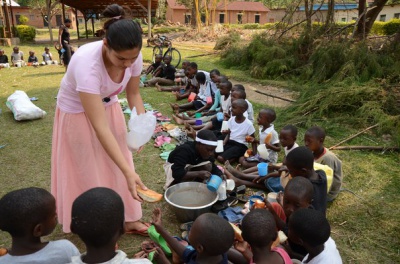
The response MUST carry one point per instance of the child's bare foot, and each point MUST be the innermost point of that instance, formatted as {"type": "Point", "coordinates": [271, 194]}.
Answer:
{"type": "Point", "coordinates": [230, 176]}
{"type": "Point", "coordinates": [238, 166]}
{"type": "Point", "coordinates": [158, 87]}
{"type": "Point", "coordinates": [191, 132]}
{"type": "Point", "coordinates": [177, 120]}
{"type": "Point", "coordinates": [231, 169]}
{"type": "Point", "coordinates": [187, 126]}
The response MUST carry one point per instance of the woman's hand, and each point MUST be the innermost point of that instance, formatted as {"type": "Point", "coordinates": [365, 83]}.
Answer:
{"type": "Point", "coordinates": [133, 180]}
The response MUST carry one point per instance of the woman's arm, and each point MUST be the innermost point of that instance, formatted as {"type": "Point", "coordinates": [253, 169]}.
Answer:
{"type": "Point", "coordinates": [95, 111]}
{"type": "Point", "coordinates": [60, 31]}
{"type": "Point", "coordinates": [133, 95]}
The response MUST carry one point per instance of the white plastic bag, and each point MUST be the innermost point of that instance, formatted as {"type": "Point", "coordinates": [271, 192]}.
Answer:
{"type": "Point", "coordinates": [22, 107]}
{"type": "Point", "coordinates": [141, 128]}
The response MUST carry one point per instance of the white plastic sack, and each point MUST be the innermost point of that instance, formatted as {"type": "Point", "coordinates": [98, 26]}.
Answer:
{"type": "Point", "coordinates": [22, 107]}
{"type": "Point", "coordinates": [141, 128]}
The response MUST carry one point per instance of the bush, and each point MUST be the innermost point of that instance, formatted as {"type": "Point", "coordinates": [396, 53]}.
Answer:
{"type": "Point", "coordinates": [377, 28]}
{"type": "Point", "coordinates": [26, 33]}
{"type": "Point", "coordinates": [251, 26]}
{"type": "Point", "coordinates": [391, 27]}
{"type": "Point", "coordinates": [23, 20]}
{"type": "Point", "coordinates": [226, 41]}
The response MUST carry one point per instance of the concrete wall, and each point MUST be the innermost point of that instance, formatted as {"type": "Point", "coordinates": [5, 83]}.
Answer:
{"type": "Point", "coordinates": [389, 12]}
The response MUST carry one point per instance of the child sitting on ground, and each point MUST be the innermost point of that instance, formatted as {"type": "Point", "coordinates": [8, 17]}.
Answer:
{"type": "Point", "coordinates": [153, 67]}
{"type": "Point", "coordinates": [250, 111]}
{"type": "Point", "coordinates": [181, 80]}
{"type": "Point", "coordinates": [98, 220]}
{"type": "Point", "coordinates": [269, 140]}
{"type": "Point", "coordinates": [164, 74]}
{"type": "Point", "coordinates": [210, 238]}
{"type": "Point", "coordinates": [27, 215]}
{"type": "Point", "coordinates": [48, 57]}
{"type": "Point", "coordinates": [238, 128]}
{"type": "Point", "coordinates": [259, 231]}
{"type": "Point", "coordinates": [271, 181]}
{"type": "Point", "coordinates": [202, 100]}
{"type": "Point", "coordinates": [32, 59]}
{"type": "Point", "coordinates": [193, 85]}
{"type": "Point", "coordinates": [311, 229]}
{"type": "Point", "coordinates": [17, 57]}
{"type": "Point", "coordinates": [314, 140]}
{"type": "Point", "coordinates": [192, 161]}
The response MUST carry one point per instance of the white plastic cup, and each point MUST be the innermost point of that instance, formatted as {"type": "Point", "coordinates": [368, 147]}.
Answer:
{"type": "Point", "coordinates": [222, 191]}
{"type": "Point", "coordinates": [271, 197]}
{"type": "Point", "coordinates": [230, 184]}
{"type": "Point", "coordinates": [220, 146]}
{"type": "Point", "coordinates": [224, 126]}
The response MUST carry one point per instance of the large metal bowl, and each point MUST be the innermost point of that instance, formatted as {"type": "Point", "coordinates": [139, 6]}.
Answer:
{"type": "Point", "coordinates": [189, 200]}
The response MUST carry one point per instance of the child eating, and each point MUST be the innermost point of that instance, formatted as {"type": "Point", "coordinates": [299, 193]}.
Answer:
{"type": "Point", "coordinates": [98, 220]}
{"type": "Point", "coordinates": [27, 215]}
{"type": "Point", "coordinates": [314, 140]}
{"type": "Point", "coordinates": [210, 238]}
{"type": "Point", "coordinates": [311, 229]}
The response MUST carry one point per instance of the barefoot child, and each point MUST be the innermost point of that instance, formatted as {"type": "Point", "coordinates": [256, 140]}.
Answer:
{"type": "Point", "coordinates": [210, 238]}
{"type": "Point", "coordinates": [314, 140]}
{"type": "Point", "coordinates": [259, 231]}
{"type": "Point", "coordinates": [311, 229]}
{"type": "Point", "coordinates": [238, 128]}
{"type": "Point", "coordinates": [181, 78]}
{"type": "Point", "coordinates": [98, 220]}
{"type": "Point", "coordinates": [27, 215]}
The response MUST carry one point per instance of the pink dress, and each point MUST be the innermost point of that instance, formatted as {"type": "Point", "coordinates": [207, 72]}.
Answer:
{"type": "Point", "coordinates": [78, 160]}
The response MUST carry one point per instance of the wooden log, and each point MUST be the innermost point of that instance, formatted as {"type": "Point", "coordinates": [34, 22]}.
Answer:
{"type": "Point", "coordinates": [202, 55]}
{"type": "Point", "coordinates": [377, 148]}
{"type": "Point", "coordinates": [275, 96]}
{"type": "Point", "coordinates": [353, 136]}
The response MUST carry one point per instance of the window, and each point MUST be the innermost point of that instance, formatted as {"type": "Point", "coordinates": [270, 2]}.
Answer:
{"type": "Point", "coordinates": [343, 19]}
{"type": "Point", "coordinates": [354, 18]}
{"type": "Point", "coordinates": [257, 18]}
{"type": "Point", "coordinates": [31, 17]}
{"type": "Point", "coordinates": [187, 18]}
{"type": "Point", "coordinates": [239, 18]}
{"type": "Point", "coordinates": [221, 18]}
{"type": "Point", "coordinates": [80, 20]}
{"type": "Point", "coordinates": [17, 19]}
{"type": "Point", "coordinates": [272, 20]}
{"type": "Point", "coordinates": [396, 15]}
{"type": "Point", "coordinates": [382, 18]}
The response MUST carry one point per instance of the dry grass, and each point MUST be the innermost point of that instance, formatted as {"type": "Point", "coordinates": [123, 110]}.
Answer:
{"type": "Point", "coordinates": [365, 226]}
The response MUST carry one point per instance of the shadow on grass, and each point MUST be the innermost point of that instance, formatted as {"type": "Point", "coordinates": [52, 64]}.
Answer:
{"type": "Point", "coordinates": [43, 74]}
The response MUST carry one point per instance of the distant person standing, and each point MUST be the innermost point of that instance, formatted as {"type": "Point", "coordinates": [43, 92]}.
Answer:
{"type": "Point", "coordinates": [64, 41]}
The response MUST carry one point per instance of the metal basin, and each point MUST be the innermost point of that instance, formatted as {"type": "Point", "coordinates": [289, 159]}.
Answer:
{"type": "Point", "coordinates": [189, 200]}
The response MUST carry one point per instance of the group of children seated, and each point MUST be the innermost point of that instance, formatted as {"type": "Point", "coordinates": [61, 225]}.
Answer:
{"type": "Point", "coordinates": [17, 58]}
{"type": "Point", "coordinates": [308, 177]}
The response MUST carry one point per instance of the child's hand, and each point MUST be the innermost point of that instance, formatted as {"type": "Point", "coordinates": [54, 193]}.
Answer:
{"type": "Point", "coordinates": [250, 139]}
{"type": "Point", "coordinates": [260, 179]}
{"type": "Point", "coordinates": [241, 246]}
{"type": "Point", "coordinates": [268, 146]}
{"type": "Point", "coordinates": [160, 257]}
{"type": "Point", "coordinates": [227, 116]}
{"type": "Point", "coordinates": [225, 132]}
{"type": "Point", "coordinates": [190, 113]}
{"type": "Point", "coordinates": [279, 198]}
{"type": "Point", "coordinates": [156, 221]}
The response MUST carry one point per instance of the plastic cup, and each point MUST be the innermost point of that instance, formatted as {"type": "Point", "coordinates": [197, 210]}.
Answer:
{"type": "Point", "coordinates": [214, 182]}
{"type": "Point", "coordinates": [191, 97]}
{"type": "Point", "coordinates": [263, 151]}
{"type": "Point", "coordinates": [220, 116]}
{"type": "Point", "coordinates": [262, 168]}
{"type": "Point", "coordinates": [220, 146]}
{"type": "Point", "coordinates": [253, 199]}
{"type": "Point", "coordinates": [197, 115]}
{"type": "Point", "coordinates": [224, 126]}
{"type": "Point", "coordinates": [271, 197]}
{"type": "Point", "coordinates": [230, 184]}
{"type": "Point", "coordinates": [182, 91]}
{"type": "Point", "coordinates": [198, 122]}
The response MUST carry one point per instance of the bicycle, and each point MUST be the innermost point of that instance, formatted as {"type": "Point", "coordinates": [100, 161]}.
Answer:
{"type": "Point", "coordinates": [173, 52]}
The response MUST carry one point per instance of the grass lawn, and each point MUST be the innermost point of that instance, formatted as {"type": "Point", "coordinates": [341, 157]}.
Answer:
{"type": "Point", "coordinates": [365, 225]}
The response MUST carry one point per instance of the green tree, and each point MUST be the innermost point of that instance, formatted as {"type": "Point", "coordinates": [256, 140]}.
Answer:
{"type": "Point", "coordinates": [48, 9]}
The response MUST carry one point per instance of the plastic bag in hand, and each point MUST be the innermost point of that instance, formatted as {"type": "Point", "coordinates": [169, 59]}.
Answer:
{"type": "Point", "coordinates": [141, 128]}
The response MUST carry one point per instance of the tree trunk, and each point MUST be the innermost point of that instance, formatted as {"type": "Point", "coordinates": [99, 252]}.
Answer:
{"type": "Point", "coordinates": [193, 19]}
{"type": "Point", "coordinates": [363, 28]}
{"type": "Point", "coordinates": [49, 24]}
{"type": "Point", "coordinates": [330, 15]}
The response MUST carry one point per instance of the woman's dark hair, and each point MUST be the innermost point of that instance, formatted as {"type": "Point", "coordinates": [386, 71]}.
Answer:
{"type": "Point", "coordinates": [121, 33]}
{"type": "Point", "coordinates": [67, 20]}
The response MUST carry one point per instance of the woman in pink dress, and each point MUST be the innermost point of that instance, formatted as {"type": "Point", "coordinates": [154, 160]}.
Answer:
{"type": "Point", "coordinates": [89, 146]}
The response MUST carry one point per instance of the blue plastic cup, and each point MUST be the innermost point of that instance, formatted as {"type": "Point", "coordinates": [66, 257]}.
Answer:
{"type": "Point", "coordinates": [182, 91]}
{"type": "Point", "coordinates": [214, 182]}
{"type": "Point", "coordinates": [262, 168]}
{"type": "Point", "coordinates": [220, 116]}
{"type": "Point", "coordinates": [198, 122]}
{"type": "Point", "coordinates": [253, 198]}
